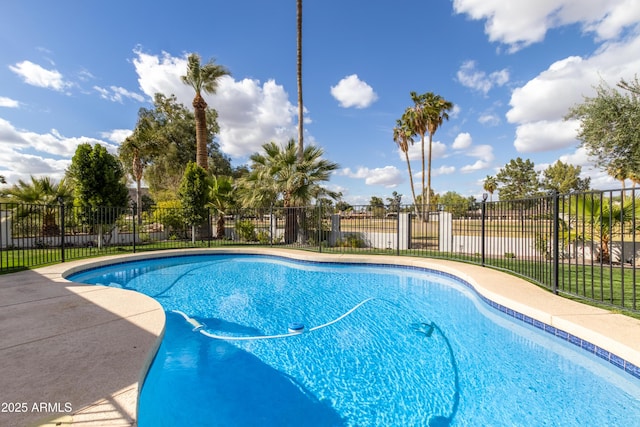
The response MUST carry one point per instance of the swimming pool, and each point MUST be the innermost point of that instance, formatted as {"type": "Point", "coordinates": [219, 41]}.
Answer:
{"type": "Point", "coordinates": [409, 347]}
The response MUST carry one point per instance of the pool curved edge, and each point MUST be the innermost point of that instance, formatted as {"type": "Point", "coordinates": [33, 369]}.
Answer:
{"type": "Point", "coordinates": [609, 335]}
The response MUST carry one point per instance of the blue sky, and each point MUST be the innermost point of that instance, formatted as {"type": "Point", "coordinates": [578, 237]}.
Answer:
{"type": "Point", "coordinates": [77, 71]}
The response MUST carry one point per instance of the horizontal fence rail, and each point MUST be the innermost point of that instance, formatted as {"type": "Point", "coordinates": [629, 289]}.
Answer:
{"type": "Point", "coordinates": [582, 244]}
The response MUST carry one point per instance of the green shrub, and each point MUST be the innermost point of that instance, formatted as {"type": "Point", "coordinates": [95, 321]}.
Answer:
{"type": "Point", "coordinates": [246, 230]}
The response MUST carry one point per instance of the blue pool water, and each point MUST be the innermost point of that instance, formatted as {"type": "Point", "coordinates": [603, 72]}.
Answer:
{"type": "Point", "coordinates": [410, 348]}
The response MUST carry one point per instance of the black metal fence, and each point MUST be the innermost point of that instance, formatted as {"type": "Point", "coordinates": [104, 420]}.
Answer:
{"type": "Point", "coordinates": [582, 244]}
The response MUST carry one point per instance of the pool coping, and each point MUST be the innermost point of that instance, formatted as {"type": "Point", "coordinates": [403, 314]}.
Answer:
{"type": "Point", "coordinates": [611, 336]}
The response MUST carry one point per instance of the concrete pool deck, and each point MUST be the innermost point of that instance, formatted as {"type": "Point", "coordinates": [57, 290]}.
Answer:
{"type": "Point", "coordinates": [75, 354]}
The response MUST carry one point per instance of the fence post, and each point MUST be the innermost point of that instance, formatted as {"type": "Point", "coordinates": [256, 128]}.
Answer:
{"type": "Point", "coordinates": [556, 238]}
{"type": "Point", "coordinates": [62, 232]}
{"type": "Point", "coordinates": [209, 228]}
{"type": "Point", "coordinates": [483, 219]}
{"type": "Point", "coordinates": [134, 209]}
{"type": "Point", "coordinates": [398, 230]}
{"type": "Point", "coordinates": [319, 236]}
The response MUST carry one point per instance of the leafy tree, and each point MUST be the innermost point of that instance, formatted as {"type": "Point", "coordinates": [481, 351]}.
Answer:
{"type": "Point", "coordinates": [490, 185]}
{"type": "Point", "coordinates": [426, 116]}
{"type": "Point", "coordinates": [99, 184]}
{"type": "Point", "coordinates": [2, 179]}
{"type": "Point", "coordinates": [402, 137]}
{"type": "Point", "coordinates": [202, 78]}
{"type": "Point", "coordinates": [455, 203]}
{"type": "Point", "coordinates": [171, 143]}
{"type": "Point", "coordinates": [518, 180]}
{"type": "Point", "coordinates": [193, 194]}
{"type": "Point", "coordinates": [277, 175]}
{"type": "Point", "coordinates": [394, 201]}
{"type": "Point", "coordinates": [342, 206]}
{"type": "Point", "coordinates": [564, 178]}
{"type": "Point", "coordinates": [610, 126]}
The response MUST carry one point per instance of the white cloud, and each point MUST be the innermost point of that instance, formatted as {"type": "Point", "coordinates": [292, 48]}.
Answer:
{"type": "Point", "coordinates": [8, 102]}
{"type": "Point", "coordinates": [529, 22]}
{"type": "Point", "coordinates": [489, 119]}
{"type": "Point", "coordinates": [463, 140]}
{"type": "Point", "coordinates": [442, 170]}
{"type": "Point", "coordinates": [117, 135]}
{"type": "Point", "coordinates": [30, 153]}
{"type": "Point", "coordinates": [438, 150]}
{"type": "Point", "coordinates": [539, 107]}
{"type": "Point", "coordinates": [116, 94]}
{"type": "Point", "coordinates": [353, 92]}
{"type": "Point", "coordinates": [545, 136]}
{"type": "Point", "coordinates": [250, 113]}
{"type": "Point", "coordinates": [478, 165]}
{"type": "Point", "coordinates": [388, 176]}
{"type": "Point", "coordinates": [36, 75]}
{"type": "Point", "coordinates": [472, 78]}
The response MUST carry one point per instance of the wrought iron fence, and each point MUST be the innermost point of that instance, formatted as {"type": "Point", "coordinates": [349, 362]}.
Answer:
{"type": "Point", "coordinates": [582, 244]}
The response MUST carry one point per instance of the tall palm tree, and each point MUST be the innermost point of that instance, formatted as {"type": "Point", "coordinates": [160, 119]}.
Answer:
{"type": "Point", "coordinates": [490, 185]}
{"type": "Point", "coordinates": [427, 115]}
{"type": "Point", "coordinates": [402, 137]}
{"type": "Point", "coordinates": [276, 174]}
{"type": "Point", "coordinates": [299, 74]}
{"type": "Point", "coordinates": [202, 78]}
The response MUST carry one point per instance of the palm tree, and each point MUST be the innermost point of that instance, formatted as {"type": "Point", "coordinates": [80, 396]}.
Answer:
{"type": "Point", "coordinates": [426, 116]}
{"type": "Point", "coordinates": [276, 174]}
{"type": "Point", "coordinates": [619, 171]}
{"type": "Point", "coordinates": [42, 197]}
{"type": "Point", "coordinates": [490, 185]}
{"type": "Point", "coordinates": [136, 152]}
{"type": "Point", "coordinates": [202, 78]}
{"type": "Point", "coordinates": [604, 218]}
{"type": "Point", "coordinates": [221, 198]}
{"type": "Point", "coordinates": [300, 152]}
{"type": "Point", "coordinates": [402, 137]}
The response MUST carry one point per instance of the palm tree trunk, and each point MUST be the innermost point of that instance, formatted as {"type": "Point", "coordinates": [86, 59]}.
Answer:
{"type": "Point", "coordinates": [299, 73]}
{"type": "Point", "coordinates": [413, 190]}
{"type": "Point", "coordinates": [423, 172]}
{"type": "Point", "coordinates": [429, 174]}
{"type": "Point", "coordinates": [199, 107]}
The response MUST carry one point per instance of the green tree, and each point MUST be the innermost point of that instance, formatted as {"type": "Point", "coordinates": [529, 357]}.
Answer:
{"type": "Point", "coordinates": [193, 195]}
{"type": "Point", "coordinates": [137, 151]}
{"type": "Point", "coordinates": [490, 185]}
{"type": "Point", "coordinates": [221, 198]}
{"type": "Point", "coordinates": [564, 178]}
{"type": "Point", "coordinates": [610, 126]}
{"type": "Point", "coordinates": [2, 179]}
{"type": "Point", "coordinates": [394, 202]}
{"type": "Point", "coordinates": [300, 152]}
{"type": "Point", "coordinates": [42, 196]}
{"type": "Point", "coordinates": [402, 137]}
{"type": "Point", "coordinates": [425, 117]}
{"type": "Point", "coordinates": [277, 175]}
{"type": "Point", "coordinates": [455, 203]}
{"type": "Point", "coordinates": [172, 129]}
{"type": "Point", "coordinates": [602, 219]}
{"type": "Point", "coordinates": [202, 78]}
{"type": "Point", "coordinates": [99, 186]}
{"type": "Point", "coordinates": [518, 180]}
